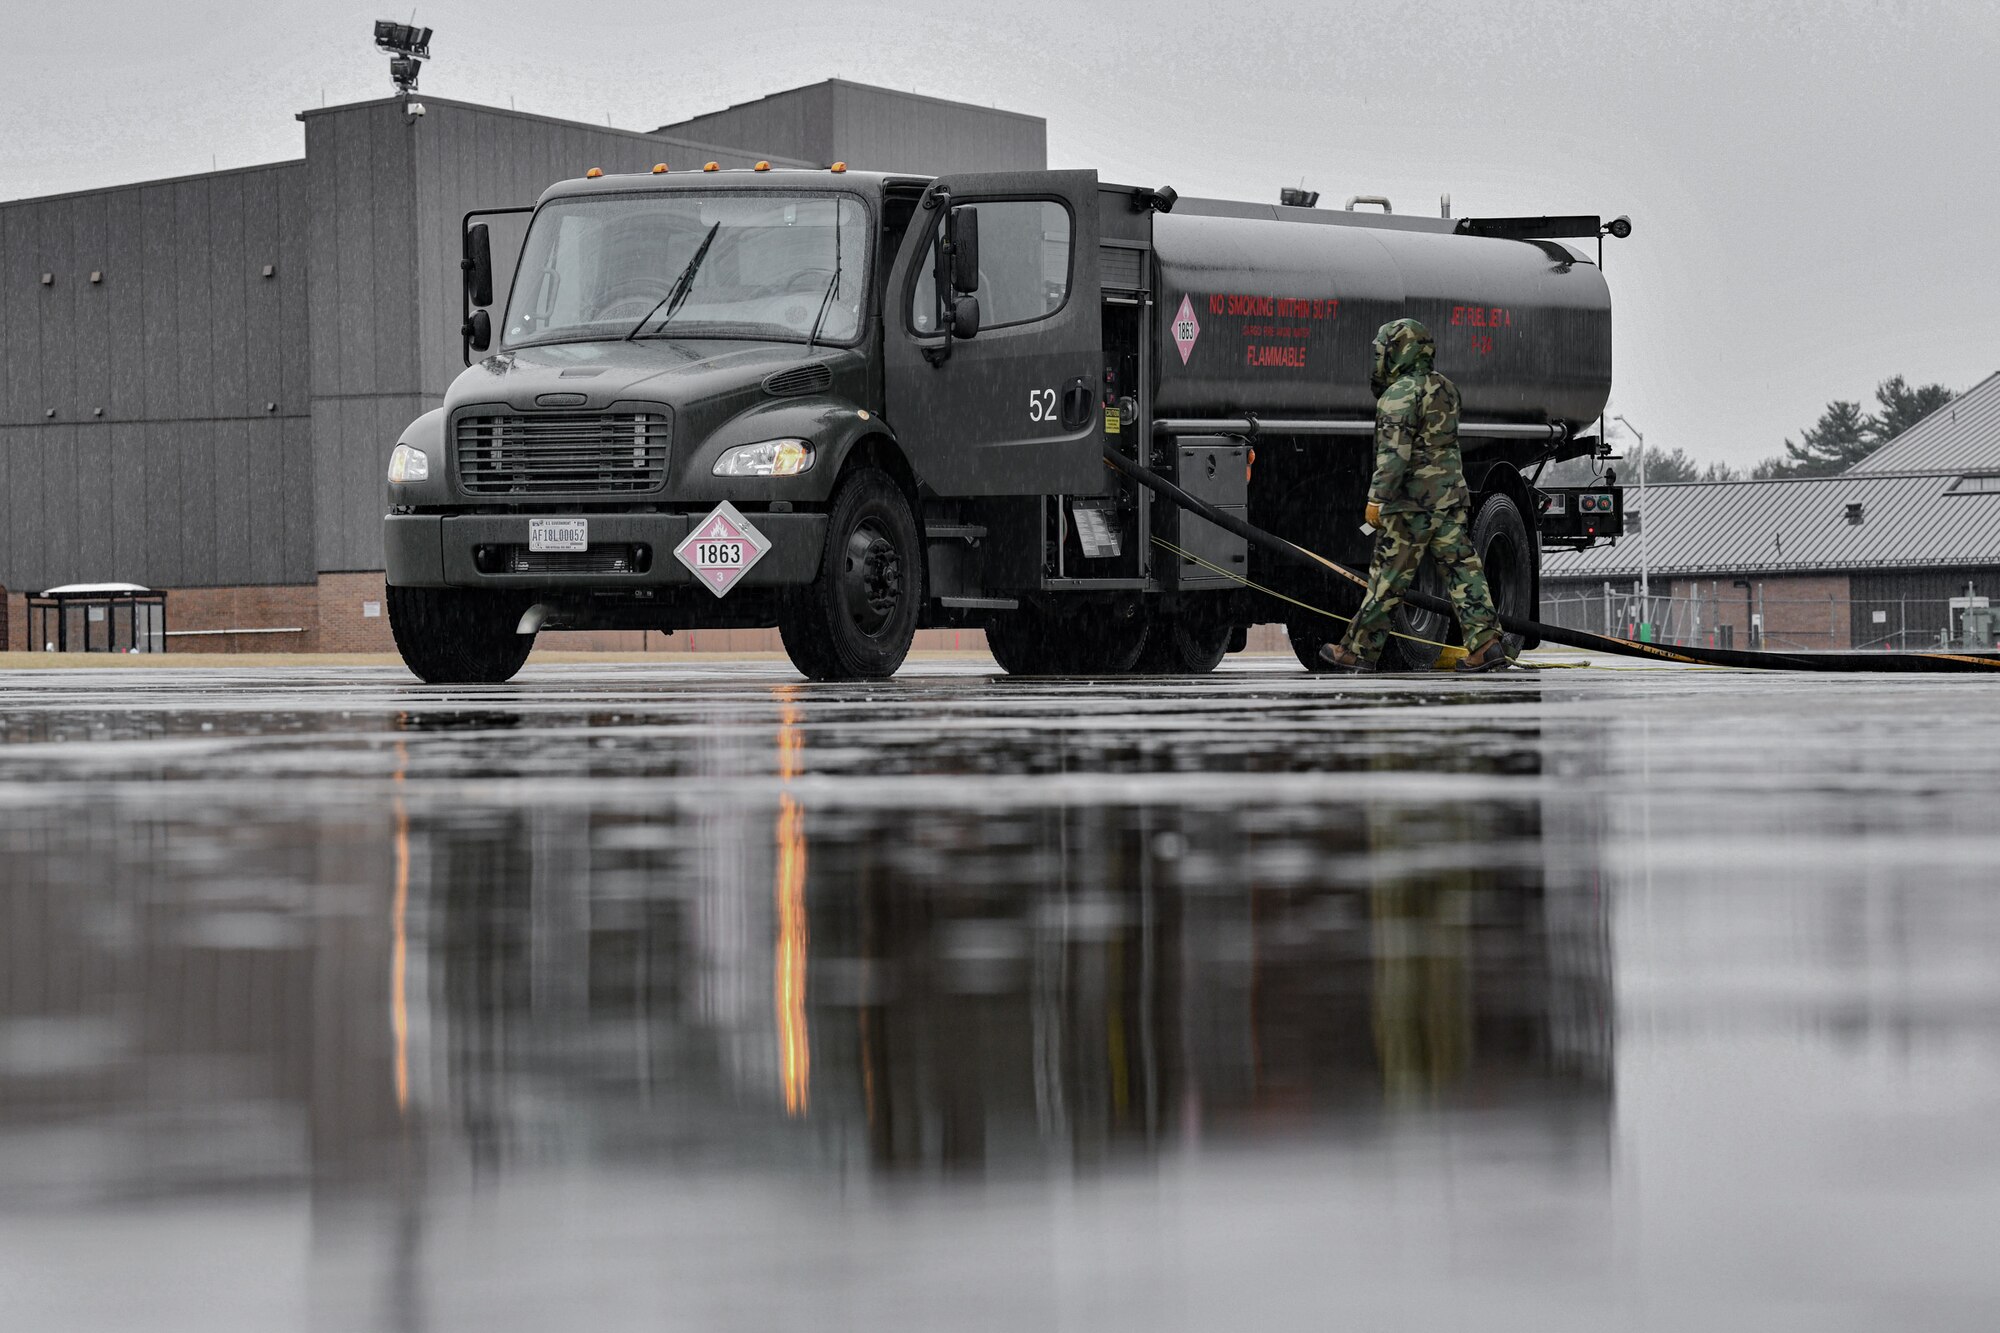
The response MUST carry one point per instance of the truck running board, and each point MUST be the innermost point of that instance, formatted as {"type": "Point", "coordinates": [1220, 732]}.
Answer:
{"type": "Point", "coordinates": [981, 603]}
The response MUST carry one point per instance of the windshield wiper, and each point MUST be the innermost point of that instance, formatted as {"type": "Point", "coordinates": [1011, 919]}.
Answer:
{"type": "Point", "coordinates": [832, 285]}
{"type": "Point", "coordinates": [682, 286]}
{"type": "Point", "coordinates": [824, 301]}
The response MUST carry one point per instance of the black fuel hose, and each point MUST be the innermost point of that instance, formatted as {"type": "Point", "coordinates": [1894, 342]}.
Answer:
{"type": "Point", "coordinates": [1601, 643]}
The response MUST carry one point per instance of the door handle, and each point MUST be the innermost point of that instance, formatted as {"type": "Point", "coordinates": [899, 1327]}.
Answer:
{"type": "Point", "coordinates": [1077, 404]}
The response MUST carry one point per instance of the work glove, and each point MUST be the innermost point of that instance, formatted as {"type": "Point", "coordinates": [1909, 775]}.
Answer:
{"type": "Point", "coordinates": [1373, 514]}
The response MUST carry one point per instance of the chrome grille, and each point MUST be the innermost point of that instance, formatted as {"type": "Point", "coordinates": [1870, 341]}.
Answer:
{"type": "Point", "coordinates": [565, 453]}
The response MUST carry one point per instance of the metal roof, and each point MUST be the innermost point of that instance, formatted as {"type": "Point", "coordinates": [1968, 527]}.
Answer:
{"type": "Point", "coordinates": [1961, 436]}
{"type": "Point", "coordinates": [1799, 525]}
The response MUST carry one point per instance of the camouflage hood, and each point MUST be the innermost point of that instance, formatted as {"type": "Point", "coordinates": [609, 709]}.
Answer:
{"type": "Point", "coordinates": [1402, 347]}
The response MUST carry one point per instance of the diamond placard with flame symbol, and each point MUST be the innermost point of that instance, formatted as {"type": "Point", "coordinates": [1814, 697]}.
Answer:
{"type": "Point", "coordinates": [722, 548]}
{"type": "Point", "coordinates": [1186, 328]}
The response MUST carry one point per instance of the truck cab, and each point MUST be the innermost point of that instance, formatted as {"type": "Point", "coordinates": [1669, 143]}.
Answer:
{"type": "Point", "coordinates": [850, 405]}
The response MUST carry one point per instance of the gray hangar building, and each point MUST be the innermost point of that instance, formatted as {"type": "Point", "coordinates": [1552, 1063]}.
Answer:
{"type": "Point", "coordinates": [201, 378]}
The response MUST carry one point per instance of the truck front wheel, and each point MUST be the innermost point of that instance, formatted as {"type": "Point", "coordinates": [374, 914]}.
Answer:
{"type": "Point", "coordinates": [857, 618]}
{"type": "Point", "coordinates": [458, 636]}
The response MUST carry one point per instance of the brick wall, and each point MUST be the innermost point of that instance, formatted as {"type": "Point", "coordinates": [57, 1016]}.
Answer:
{"type": "Point", "coordinates": [1803, 611]}
{"type": "Point", "coordinates": [353, 616]}
{"type": "Point", "coordinates": [332, 617]}
{"type": "Point", "coordinates": [210, 612]}
{"type": "Point", "coordinates": [213, 611]}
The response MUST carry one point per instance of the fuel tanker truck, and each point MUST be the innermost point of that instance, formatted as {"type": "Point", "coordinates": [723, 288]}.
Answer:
{"type": "Point", "coordinates": [854, 405]}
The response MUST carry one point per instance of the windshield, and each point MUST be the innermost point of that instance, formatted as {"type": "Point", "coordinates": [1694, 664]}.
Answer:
{"type": "Point", "coordinates": [595, 267]}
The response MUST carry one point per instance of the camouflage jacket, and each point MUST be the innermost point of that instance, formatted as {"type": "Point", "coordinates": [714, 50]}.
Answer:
{"type": "Point", "coordinates": [1417, 464]}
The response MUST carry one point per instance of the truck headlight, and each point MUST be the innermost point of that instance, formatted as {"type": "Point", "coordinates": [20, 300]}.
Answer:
{"type": "Point", "coordinates": [409, 464]}
{"type": "Point", "coordinates": [772, 458]}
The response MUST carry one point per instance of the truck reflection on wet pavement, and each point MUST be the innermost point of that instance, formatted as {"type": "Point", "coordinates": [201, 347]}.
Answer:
{"type": "Point", "coordinates": [705, 998]}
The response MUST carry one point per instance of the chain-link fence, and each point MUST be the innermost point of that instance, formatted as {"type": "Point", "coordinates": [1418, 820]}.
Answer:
{"type": "Point", "coordinates": [1734, 618]}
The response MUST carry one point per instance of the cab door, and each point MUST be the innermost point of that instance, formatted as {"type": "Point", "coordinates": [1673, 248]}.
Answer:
{"type": "Point", "coordinates": [1013, 409]}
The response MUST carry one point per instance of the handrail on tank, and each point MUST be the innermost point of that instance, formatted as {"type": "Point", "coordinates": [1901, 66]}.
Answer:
{"type": "Point", "coordinates": [1487, 430]}
{"type": "Point", "coordinates": [1381, 201]}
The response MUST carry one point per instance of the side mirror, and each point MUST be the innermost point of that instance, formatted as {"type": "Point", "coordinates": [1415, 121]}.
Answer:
{"type": "Point", "coordinates": [478, 331]}
{"type": "Point", "coordinates": [478, 265]}
{"type": "Point", "coordinates": [961, 239]}
{"type": "Point", "coordinates": [964, 316]}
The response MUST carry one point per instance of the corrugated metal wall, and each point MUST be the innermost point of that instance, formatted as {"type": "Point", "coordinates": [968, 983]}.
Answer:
{"type": "Point", "coordinates": [153, 424]}
{"type": "Point", "coordinates": [878, 129]}
{"type": "Point", "coordinates": [478, 157]}
{"type": "Point", "coordinates": [388, 195]}
{"type": "Point", "coordinates": [190, 422]}
{"type": "Point", "coordinates": [360, 173]}
{"type": "Point", "coordinates": [1914, 604]}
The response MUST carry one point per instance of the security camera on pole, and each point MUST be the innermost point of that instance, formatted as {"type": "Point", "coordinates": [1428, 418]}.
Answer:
{"type": "Point", "coordinates": [1645, 584]}
{"type": "Point", "coordinates": [408, 47]}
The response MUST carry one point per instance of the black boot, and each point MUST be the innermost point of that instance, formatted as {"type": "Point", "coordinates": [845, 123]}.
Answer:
{"type": "Point", "coordinates": [1493, 657]}
{"type": "Point", "coordinates": [1336, 657]}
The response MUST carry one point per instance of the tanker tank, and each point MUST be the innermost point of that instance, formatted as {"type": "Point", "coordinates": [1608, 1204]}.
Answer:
{"type": "Point", "coordinates": [1271, 310]}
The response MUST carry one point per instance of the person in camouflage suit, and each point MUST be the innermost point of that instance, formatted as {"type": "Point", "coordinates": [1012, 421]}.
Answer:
{"type": "Point", "coordinates": [1419, 502]}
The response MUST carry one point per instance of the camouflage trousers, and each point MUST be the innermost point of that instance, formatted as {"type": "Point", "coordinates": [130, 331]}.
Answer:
{"type": "Point", "coordinates": [1399, 549]}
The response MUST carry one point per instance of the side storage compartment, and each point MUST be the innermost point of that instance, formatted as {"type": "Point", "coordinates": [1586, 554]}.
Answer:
{"type": "Point", "coordinates": [1216, 469]}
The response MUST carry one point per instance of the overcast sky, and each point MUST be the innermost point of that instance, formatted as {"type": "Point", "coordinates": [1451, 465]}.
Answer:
{"type": "Point", "coordinates": [1810, 181]}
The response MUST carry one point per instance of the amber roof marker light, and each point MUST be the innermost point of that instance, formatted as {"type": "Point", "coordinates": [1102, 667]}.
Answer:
{"type": "Point", "coordinates": [837, 168]}
{"type": "Point", "coordinates": [593, 173]}
{"type": "Point", "coordinates": [711, 166]}
{"type": "Point", "coordinates": [659, 168]}
{"type": "Point", "coordinates": [763, 166]}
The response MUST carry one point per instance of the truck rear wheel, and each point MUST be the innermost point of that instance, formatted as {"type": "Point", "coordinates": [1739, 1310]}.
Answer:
{"type": "Point", "coordinates": [1501, 538]}
{"type": "Point", "coordinates": [1034, 641]}
{"type": "Point", "coordinates": [1020, 644]}
{"type": "Point", "coordinates": [1500, 535]}
{"type": "Point", "coordinates": [857, 618]}
{"type": "Point", "coordinates": [1307, 637]}
{"type": "Point", "coordinates": [459, 636]}
{"type": "Point", "coordinates": [1180, 645]}
{"type": "Point", "coordinates": [1417, 637]}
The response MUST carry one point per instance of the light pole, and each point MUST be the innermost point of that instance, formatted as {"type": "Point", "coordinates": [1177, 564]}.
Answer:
{"type": "Point", "coordinates": [1645, 583]}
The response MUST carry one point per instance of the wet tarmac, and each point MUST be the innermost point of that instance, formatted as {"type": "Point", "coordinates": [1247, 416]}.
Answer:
{"type": "Point", "coordinates": [691, 997]}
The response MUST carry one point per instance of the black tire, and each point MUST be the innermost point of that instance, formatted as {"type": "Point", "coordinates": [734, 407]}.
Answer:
{"type": "Point", "coordinates": [1180, 645]}
{"type": "Point", "coordinates": [459, 636]}
{"type": "Point", "coordinates": [1501, 538]}
{"type": "Point", "coordinates": [1417, 638]}
{"type": "Point", "coordinates": [1015, 639]}
{"type": "Point", "coordinates": [1500, 535]}
{"type": "Point", "coordinates": [1099, 641]}
{"type": "Point", "coordinates": [857, 618]}
{"type": "Point", "coordinates": [1308, 636]}
{"type": "Point", "coordinates": [1034, 641]}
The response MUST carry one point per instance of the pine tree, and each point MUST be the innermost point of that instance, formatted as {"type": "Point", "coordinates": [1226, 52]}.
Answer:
{"type": "Point", "coordinates": [1842, 437]}
{"type": "Point", "coordinates": [1903, 407]}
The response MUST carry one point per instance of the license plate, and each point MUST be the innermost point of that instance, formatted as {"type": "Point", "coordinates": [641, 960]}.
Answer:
{"type": "Point", "coordinates": [558, 534]}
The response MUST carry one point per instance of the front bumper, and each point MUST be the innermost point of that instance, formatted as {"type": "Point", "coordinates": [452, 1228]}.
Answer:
{"type": "Point", "coordinates": [438, 550]}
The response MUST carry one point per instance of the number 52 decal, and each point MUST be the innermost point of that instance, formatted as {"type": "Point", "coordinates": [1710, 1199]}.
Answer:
{"type": "Point", "coordinates": [1041, 404]}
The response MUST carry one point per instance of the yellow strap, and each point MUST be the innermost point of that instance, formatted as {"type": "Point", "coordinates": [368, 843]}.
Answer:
{"type": "Point", "coordinates": [1450, 654]}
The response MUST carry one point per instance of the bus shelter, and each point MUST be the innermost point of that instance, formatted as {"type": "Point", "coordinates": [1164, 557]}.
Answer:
{"type": "Point", "coordinates": [98, 618]}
